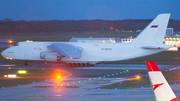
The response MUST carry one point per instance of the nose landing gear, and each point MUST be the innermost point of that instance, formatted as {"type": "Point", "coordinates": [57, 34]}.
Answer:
{"type": "Point", "coordinates": [25, 64]}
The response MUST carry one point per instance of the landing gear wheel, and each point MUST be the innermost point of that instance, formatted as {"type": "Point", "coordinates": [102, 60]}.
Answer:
{"type": "Point", "coordinates": [68, 65]}
{"type": "Point", "coordinates": [25, 64]}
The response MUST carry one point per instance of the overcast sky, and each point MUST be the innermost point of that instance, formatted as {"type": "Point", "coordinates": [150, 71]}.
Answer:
{"type": "Point", "coordinates": [87, 9]}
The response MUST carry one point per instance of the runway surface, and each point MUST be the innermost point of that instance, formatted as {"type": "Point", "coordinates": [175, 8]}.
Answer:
{"type": "Point", "coordinates": [84, 84]}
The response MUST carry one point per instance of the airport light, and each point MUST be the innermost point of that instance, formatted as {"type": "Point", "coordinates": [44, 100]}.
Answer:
{"type": "Point", "coordinates": [5, 76]}
{"type": "Point", "coordinates": [29, 41]}
{"type": "Point", "coordinates": [102, 77]}
{"type": "Point", "coordinates": [22, 71]}
{"type": "Point", "coordinates": [58, 77]}
{"type": "Point", "coordinates": [10, 41]}
{"type": "Point", "coordinates": [111, 28]}
{"type": "Point", "coordinates": [12, 76]}
{"type": "Point", "coordinates": [138, 77]}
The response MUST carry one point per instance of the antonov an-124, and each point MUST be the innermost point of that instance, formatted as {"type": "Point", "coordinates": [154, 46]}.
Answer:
{"type": "Point", "coordinates": [148, 42]}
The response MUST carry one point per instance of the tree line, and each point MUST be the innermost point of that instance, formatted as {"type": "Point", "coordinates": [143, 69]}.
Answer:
{"type": "Point", "coordinates": [9, 26]}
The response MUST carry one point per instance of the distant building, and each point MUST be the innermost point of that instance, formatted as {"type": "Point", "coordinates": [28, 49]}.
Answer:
{"type": "Point", "coordinates": [169, 32]}
{"type": "Point", "coordinates": [126, 40]}
{"type": "Point", "coordinates": [95, 40]}
{"type": "Point", "coordinates": [177, 34]}
{"type": "Point", "coordinates": [172, 41]}
{"type": "Point", "coordinates": [138, 31]}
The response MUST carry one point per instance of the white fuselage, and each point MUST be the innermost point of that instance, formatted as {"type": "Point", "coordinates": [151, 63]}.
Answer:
{"type": "Point", "coordinates": [92, 53]}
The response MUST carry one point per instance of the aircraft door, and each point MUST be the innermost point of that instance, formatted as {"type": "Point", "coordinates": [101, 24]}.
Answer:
{"type": "Point", "coordinates": [25, 56]}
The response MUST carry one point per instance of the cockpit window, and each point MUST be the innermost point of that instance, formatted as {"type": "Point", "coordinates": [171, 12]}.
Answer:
{"type": "Point", "coordinates": [17, 44]}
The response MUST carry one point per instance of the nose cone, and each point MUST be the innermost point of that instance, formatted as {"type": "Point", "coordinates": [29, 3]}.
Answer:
{"type": "Point", "coordinates": [4, 53]}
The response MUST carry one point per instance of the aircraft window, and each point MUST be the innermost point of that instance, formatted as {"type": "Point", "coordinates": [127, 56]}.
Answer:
{"type": "Point", "coordinates": [16, 44]}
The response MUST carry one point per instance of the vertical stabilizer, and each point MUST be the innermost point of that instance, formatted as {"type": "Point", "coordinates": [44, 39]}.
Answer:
{"type": "Point", "coordinates": [161, 88]}
{"type": "Point", "coordinates": [155, 31]}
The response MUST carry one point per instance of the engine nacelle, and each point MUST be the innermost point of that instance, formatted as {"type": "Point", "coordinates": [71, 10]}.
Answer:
{"type": "Point", "coordinates": [43, 54]}
{"type": "Point", "coordinates": [52, 58]}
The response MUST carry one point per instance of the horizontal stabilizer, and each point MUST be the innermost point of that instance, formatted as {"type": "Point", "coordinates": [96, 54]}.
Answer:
{"type": "Point", "coordinates": [152, 47]}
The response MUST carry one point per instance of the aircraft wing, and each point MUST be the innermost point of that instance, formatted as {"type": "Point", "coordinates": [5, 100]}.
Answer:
{"type": "Point", "coordinates": [67, 50]}
{"type": "Point", "coordinates": [161, 88]}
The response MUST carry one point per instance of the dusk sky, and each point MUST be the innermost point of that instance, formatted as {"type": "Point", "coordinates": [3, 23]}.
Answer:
{"type": "Point", "coordinates": [87, 9]}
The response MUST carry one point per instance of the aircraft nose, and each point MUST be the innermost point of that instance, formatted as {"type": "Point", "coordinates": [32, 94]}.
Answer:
{"type": "Point", "coordinates": [4, 53]}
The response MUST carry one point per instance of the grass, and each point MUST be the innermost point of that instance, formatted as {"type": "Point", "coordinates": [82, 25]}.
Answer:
{"type": "Point", "coordinates": [143, 81]}
{"type": "Point", "coordinates": [30, 77]}
{"type": "Point", "coordinates": [166, 57]}
{"type": "Point", "coordinates": [70, 34]}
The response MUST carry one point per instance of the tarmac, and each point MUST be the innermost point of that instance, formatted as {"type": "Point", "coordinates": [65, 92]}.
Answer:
{"type": "Point", "coordinates": [84, 84]}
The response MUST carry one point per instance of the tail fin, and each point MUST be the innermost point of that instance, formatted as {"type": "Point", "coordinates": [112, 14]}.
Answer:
{"type": "Point", "coordinates": [155, 31]}
{"type": "Point", "coordinates": [161, 88]}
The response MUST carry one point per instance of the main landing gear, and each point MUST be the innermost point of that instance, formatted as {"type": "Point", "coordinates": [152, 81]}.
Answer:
{"type": "Point", "coordinates": [79, 65]}
{"type": "Point", "coordinates": [25, 64]}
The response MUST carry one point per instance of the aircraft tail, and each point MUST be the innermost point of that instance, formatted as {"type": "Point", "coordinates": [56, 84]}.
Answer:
{"type": "Point", "coordinates": [155, 31]}
{"type": "Point", "coordinates": [161, 88]}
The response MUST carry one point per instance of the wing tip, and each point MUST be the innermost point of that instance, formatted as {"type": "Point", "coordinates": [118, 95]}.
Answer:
{"type": "Point", "coordinates": [152, 66]}
{"type": "Point", "coordinates": [175, 99]}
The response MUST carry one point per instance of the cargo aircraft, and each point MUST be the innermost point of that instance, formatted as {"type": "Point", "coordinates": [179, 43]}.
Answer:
{"type": "Point", "coordinates": [148, 42]}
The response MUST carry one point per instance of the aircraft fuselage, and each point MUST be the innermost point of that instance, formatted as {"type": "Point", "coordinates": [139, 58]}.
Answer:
{"type": "Point", "coordinates": [92, 53]}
